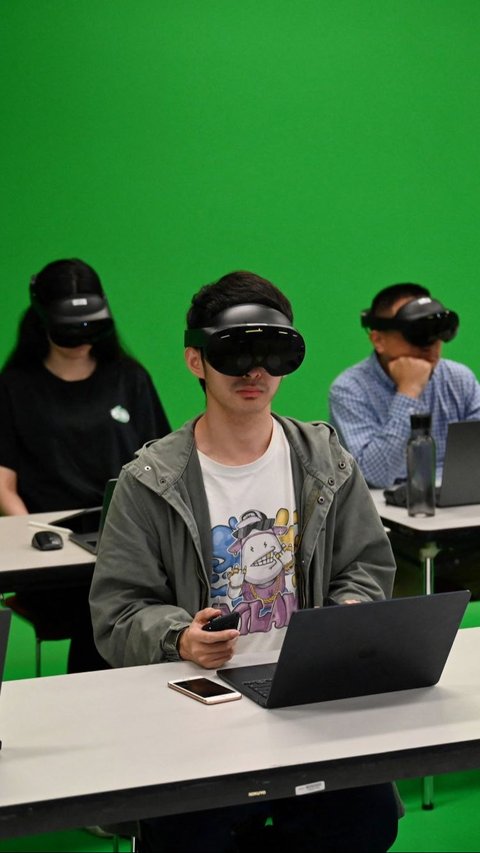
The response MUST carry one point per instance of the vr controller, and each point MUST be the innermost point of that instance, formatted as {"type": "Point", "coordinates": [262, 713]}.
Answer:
{"type": "Point", "coordinates": [221, 623]}
{"type": "Point", "coordinates": [421, 322]}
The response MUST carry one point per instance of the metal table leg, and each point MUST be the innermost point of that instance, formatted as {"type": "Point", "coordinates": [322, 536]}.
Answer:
{"type": "Point", "coordinates": [427, 557]}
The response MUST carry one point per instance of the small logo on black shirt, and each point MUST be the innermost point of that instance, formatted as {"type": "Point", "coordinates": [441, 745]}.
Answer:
{"type": "Point", "coordinates": [120, 414]}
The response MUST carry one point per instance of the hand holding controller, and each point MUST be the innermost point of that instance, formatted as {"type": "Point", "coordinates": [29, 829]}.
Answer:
{"type": "Point", "coordinates": [210, 639]}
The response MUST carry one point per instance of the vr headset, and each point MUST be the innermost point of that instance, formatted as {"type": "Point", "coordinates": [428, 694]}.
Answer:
{"type": "Point", "coordinates": [248, 336]}
{"type": "Point", "coordinates": [71, 321]}
{"type": "Point", "coordinates": [421, 322]}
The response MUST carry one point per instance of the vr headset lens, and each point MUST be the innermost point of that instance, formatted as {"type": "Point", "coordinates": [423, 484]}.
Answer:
{"type": "Point", "coordinates": [247, 336]}
{"type": "Point", "coordinates": [236, 351]}
{"type": "Point", "coordinates": [427, 330]}
{"type": "Point", "coordinates": [76, 334]}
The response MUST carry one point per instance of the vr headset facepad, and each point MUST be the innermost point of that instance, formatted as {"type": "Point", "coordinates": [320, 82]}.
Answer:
{"type": "Point", "coordinates": [83, 318]}
{"type": "Point", "coordinates": [421, 322]}
{"type": "Point", "coordinates": [248, 336]}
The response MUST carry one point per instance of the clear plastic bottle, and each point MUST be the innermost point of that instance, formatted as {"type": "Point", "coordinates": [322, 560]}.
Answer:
{"type": "Point", "coordinates": [421, 467]}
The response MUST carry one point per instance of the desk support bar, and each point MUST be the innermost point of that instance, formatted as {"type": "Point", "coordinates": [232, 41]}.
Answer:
{"type": "Point", "coordinates": [427, 556]}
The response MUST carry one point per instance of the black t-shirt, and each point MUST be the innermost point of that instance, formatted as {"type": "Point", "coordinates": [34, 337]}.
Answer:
{"type": "Point", "coordinates": [66, 439]}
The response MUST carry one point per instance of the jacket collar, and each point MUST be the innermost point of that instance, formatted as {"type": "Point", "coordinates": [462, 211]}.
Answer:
{"type": "Point", "coordinates": [161, 463]}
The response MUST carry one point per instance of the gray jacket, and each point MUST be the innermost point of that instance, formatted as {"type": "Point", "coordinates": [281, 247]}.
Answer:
{"type": "Point", "coordinates": [153, 570]}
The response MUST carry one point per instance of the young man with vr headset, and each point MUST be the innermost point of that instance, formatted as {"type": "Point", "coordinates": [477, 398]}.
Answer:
{"type": "Point", "coordinates": [371, 402]}
{"type": "Point", "coordinates": [241, 511]}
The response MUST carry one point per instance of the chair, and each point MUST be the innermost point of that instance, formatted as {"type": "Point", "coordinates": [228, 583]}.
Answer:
{"type": "Point", "coordinates": [44, 629]}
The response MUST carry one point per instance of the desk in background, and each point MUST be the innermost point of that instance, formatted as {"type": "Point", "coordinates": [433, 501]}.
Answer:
{"type": "Point", "coordinates": [21, 564]}
{"type": "Point", "coordinates": [430, 535]}
{"type": "Point", "coordinates": [116, 745]}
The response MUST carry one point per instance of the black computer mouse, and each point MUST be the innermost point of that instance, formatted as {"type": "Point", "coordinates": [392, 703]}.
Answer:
{"type": "Point", "coordinates": [47, 540]}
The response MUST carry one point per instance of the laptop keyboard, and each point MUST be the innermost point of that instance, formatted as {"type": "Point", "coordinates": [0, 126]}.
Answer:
{"type": "Point", "coordinates": [261, 686]}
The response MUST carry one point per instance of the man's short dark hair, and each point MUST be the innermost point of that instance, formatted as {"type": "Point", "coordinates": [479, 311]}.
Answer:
{"type": "Point", "coordinates": [387, 297]}
{"type": "Point", "coordinates": [236, 288]}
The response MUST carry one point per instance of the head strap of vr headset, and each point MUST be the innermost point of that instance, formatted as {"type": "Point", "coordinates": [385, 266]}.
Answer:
{"type": "Point", "coordinates": [416, 309]}
{"type": "Point", "coordinates": [70, 309]}
{"type": "Point", "coordinates": [246, 316]}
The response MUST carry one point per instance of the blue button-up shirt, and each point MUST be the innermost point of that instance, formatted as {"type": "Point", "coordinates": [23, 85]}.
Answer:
{"type": "Point", "coordinates": [373, 419]}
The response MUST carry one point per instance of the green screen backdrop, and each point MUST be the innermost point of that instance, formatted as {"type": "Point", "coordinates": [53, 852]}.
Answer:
{"type": "Point", "coordinates": [330, 147]}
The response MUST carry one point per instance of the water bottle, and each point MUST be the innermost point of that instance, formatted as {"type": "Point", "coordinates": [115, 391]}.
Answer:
{"type": "Point", "coordinates": [421, 467]}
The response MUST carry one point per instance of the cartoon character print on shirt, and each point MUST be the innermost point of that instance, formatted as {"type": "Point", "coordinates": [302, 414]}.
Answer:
{"type": "Point", "coordinates": [253, 569]}
{"type": "Point", "coordinates": [223, 560]}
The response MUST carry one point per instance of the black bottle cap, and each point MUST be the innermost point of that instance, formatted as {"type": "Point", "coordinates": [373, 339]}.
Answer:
{"type": "Point", "coordinates": [422, 421]}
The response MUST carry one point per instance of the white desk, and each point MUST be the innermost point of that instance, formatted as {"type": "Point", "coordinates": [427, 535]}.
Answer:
{"type": "Point", "coordinates": [21, 564]}
{"type": "Point", "coordinates": [447, 526]}
{"type": "Point", "coordinates": [109, 746]}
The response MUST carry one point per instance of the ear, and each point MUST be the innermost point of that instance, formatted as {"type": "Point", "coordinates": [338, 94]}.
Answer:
{"type": "Point", "coordinates": [377, 340]}
{"type": "Point", "coordinates": [194, 362]}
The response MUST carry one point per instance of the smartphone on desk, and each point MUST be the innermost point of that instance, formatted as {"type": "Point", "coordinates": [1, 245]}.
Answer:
{"type": "Point", "coordinates": [204, 690]}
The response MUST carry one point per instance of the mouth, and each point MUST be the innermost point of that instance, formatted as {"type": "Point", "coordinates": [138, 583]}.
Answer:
{"type": "Point", "coordinates": [249, 391]}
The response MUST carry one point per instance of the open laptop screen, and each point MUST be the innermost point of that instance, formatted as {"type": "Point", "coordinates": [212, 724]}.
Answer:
{"type": "Point", "coordinates": [87, 525]}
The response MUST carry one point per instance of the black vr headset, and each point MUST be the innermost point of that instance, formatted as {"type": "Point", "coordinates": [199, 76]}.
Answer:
{"type": "Point", "coordinates": [71, 321]}
{"type": "Point", "coordinates": [421, 322]}
{"type": "Point", "coordinates": [248, 336]}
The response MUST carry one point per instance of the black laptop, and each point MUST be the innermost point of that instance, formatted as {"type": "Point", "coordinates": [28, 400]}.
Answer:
{"type": "Point", "coordinates": [86, 526]}
{"type": "Point", "coordinates": [356, 650]}
{"type": "Point", "coordinates": [5, 619]}
{"type": "Point", "coordinates": [461, 469]}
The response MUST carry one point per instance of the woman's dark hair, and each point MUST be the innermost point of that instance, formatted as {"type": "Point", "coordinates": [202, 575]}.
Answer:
{"type": "Point", "coordinates": [65, 278]}
{"type": "Point", "coordinates": [56, 280]}
{"type": "Point", "coordinates": [236, 288]}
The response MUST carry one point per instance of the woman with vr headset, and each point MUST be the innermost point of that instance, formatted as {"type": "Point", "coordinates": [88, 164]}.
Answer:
{"type": "Point", "coordinates": [74, 408]}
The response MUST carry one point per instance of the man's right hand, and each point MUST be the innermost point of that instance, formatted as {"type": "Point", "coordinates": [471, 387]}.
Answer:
{"type": "Point", "coordinates": [210, 649]}
{"type": "Point", "coordinates": [410, 375]}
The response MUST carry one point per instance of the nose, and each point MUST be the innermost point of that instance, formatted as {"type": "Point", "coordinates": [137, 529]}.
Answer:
{"type": "Point", "coordinates": [254, 373]}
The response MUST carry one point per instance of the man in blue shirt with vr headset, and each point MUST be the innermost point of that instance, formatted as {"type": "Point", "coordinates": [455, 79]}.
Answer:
{"type": "Point", "coordinates": [241, 512]}
{"type": "Point", "coordinates": [371, 402]}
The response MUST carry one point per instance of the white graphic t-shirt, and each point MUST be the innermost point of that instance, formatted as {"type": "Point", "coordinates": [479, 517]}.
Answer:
{"type": "Point", "coordinates": [254, 534]}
